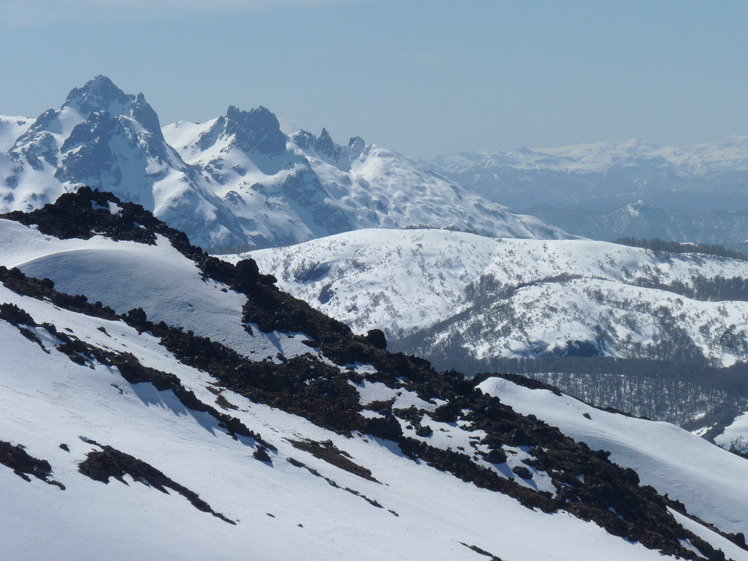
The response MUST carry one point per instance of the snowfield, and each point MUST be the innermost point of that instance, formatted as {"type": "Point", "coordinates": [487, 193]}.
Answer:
{"type": "Point", "coordinates": [686, 467]}
{"type": "Point", "coordinates": [126, 275]}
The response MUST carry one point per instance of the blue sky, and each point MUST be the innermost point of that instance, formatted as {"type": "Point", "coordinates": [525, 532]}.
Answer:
{"type": "Point", "coordinates": [423, 77]}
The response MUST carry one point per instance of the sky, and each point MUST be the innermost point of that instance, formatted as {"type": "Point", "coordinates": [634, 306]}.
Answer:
{"type": "Point", "coordinates": [423, 77]}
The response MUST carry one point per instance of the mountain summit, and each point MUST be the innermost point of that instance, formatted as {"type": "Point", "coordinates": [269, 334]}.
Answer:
{"type": "Point", "coordinates": [257, 130]}
{"type": "Point", "coordinates": [107, 139]}
{"type": "Point", "coordinates": [101, 95]}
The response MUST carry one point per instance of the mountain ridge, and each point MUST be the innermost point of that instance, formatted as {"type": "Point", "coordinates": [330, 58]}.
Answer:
{"type": "Point", "coordinates": [233, 182]}
{"type": "Point", "coordinates": [366, 278]}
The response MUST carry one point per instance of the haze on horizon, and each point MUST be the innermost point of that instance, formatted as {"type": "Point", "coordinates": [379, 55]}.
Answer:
{"type": "Point", "coordinates": [422, 78]}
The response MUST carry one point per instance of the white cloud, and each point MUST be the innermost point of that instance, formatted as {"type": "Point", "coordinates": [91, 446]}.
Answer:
{"type": "Point", "coordinates": [33, 13]}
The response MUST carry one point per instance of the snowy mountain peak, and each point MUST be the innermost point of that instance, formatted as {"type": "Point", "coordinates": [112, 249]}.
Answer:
{"type": "Point", "coordinates": [97, 94]}
{"type": "Point", "coordinates": [325, 148]}
{"type": "Point", "coordinates": [324, 141]}
{"type": "Point", "coordinates": [101, 95]}
{"type": "Point", "coordinates": [356, 146]}
{"type": "Point", "coordinates": [257, 130]}
{"type": "Point", "coordinates": [322, 145]}
{"type": "Point", "coordinates": [110, 140]}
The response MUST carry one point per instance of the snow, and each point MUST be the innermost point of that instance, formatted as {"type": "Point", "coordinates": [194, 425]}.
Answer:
{"type": "Point", "coordinates": [12, 127]}
{"type": "Point", "coordinates": [405, 280]}
{"type": "Point", "coordinates": [730, 550]}
{"type": "Point", "coordinates": [370, 392]}
{"type": "Point", "coordinates": [735, 434]}
{"type": "Point", "coordinates": [67, 119]}
{"type": "Point", "coordinates": [180, 134]}
{"type": "Point", "coordinates": [48, 400]}
{"type": "Point", "coordinates": [125, 275]}
{"type": "Point", "coordinates": [728, 154]}
{"type": "Point", "coordinates": [707, 479]}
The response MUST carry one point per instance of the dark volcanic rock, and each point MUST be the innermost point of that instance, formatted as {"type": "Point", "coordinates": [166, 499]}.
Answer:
{"type": "Point", "coordinates": [23, 464]}
{"type": "Point", "coordinates": [109, 462]}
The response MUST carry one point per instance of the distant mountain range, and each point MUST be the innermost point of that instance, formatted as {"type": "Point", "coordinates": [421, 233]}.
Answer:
{"type": "Point", "coordinates": [159, 403]}
{"type": "Point", "coordinates": [238, 182]}
{"type": "Point", "coordinates": [645, 221]}
{"type": "Point", "coordinates": [235, 182]}
{"type": "Point", "coordinates": [611, 190]}
{"type": "Point", "coordinates": [607, 174]}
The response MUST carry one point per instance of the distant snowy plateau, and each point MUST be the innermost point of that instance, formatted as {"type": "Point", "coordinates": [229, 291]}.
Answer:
{"type": "Point", "coordinates": [234, 182]}
{"type": "Point", "coordinates": [184, 408]}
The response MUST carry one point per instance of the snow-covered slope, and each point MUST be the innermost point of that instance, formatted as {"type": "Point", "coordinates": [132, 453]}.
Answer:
{"type": "Point", "coordinates": [670, 459]}
{"type": "Point", "coordinates": [289, 512]}
{"type": "Point", "coordinates": [156, 278]}
{"type": "Point", "coordinates": [514, 298]}
{"type": "Point", "coordinates": [123, 437]}
{"type": "Point", "coordinates": [10, 129]}
{"type": "Point", "coordinates": [234, 182]}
